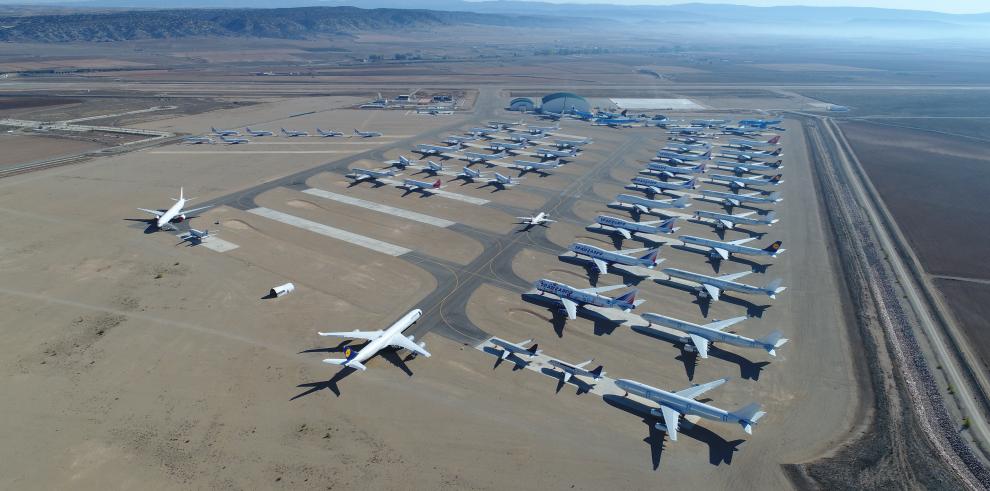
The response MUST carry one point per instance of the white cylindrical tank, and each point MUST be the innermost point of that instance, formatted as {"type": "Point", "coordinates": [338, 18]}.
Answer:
{"type": "Point", "coordinates": [281, 290]}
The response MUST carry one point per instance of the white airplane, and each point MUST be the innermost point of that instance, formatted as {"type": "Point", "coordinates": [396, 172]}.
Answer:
{"type": "Point", "coordinates": [469, 174]}
{"type": "Point", "coordinates": [483, 132]}
{"type": "Point", "coordinates": [474, 157]}
{"type": "Point", "coordinates": [541, 168]}
{"type": "Point", "coordinates": [668, 170]}
{"type": "Point", "coordinates": [359, 174]}
{"type": "Point", "coordinates": [570, 143]}
{"type": "Point", "coordinates": [627, 228]}
{"type": "Point", "coordinates": [549, 153]}
{"type": "Point", "coordinates": [379, 340]}
{"type": "Point", "coordinates": [432, 167]}
{"type": "Point", "coordinates": [541, 218]}
{"type": "Point", "coordinates": [509, 348]}
{"type": "Point", "coordinates": [751, 144]}
{"type": "Point", "coordinates": [543, 129]}
{"type": "Point", "coordinates": [571, 297]}
{"type": "Point", "coordinates": [736, 182]}
{"type": "Point", "coordinates": [194, 236]}
{"type": "Point", "coordinates": [424, 149]}
{"type": "Point", "coordinates": [675, 404]}
{"type": "Point", "coordinates": [568, 370]}
{"type": "Point", "coordinates": [366, 134]}
{"type": "Point", "coordinates": [503, 146]}
{"type": "Point", "coordinates": [749, 167]}
{"type": "Point", "coordinates": [722, 250]}
{"type": "Point", "coordinates": [727, 221]}
{"type": "Point", "coordinates": [503, 125]}
{"type": "Point", "coordinates": [680, 158]}
{"type": "Point", "coordinates": [258, 132]}
{"type": "Point", "coordinates": [656, 186]}
{"type": "Point", "coordinates": [602, 258]}
{"type": "Point", "coordinates": [733, 199]}
{"type": "Point", "coordinates": [411, 185]}
{"type": "Point", "coordinates": [224, 132]}
{"type": "Point", "coordinates": [198, 140]}
{"type": "Point", "coordinates": [749, 154]}
{"type": "Point", "coordinates": [328, 134]}
{"type": "Point", "coordinates": [712, 286]}
{"type": "Point", "coordinates": [234, 140]}
{"type": "Point", "coordinates": [709, 123]}
{"type": "Point", "coordinates": [402, 163]}
{"type": "Point", "coordinates": [175, 213]}
{"type": "Point", "coordinates": [504, 181]}
{"type": "Point", "coordinates": [457, 139]}
{"type": "Point", "coordinates": [645, 205]}
{"type": "Point", "coordinates": [293, 133]}
{"type": "Point", "coordinates": [520, 139]}
{"type": "Point", "coordinates": [703, 336]}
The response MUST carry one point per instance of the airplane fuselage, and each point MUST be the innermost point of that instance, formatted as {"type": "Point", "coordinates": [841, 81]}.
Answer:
{"type": "Point", "coordinates": [646, 205]}
{"type": "Point", "coordinates": [721, 284]}
{"type": "Point", "coordinates": [383, 341]}
{"type": "Point", "coordinates": [681, 404]}
{"type": "Point", "coordinates": [608, 256]}
{"type": "Point", "coordinates": [615, 222]}
{"type": "Point", "coordinates": [741, 198]}
{"type": "Point", "coordinates": [712, 335]}
{"type": "Point", "coordinates": [728, 246]}
{"type": "Point", "coordinates": [735, 219]}
{"type": "Point", "coordinates": [577, 296]}
{"type": "Point", "coordinates": [657, 184]}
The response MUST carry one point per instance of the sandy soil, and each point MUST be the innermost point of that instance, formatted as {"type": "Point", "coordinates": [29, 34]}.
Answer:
{"type": "Point", "coordinates": [19, 149]}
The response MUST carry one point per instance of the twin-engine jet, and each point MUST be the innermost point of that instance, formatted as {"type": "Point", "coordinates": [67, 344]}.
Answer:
{"type": "Point", "coordinates": [175, 213]}
{"type": "Point", "coordinates": [378, 340]}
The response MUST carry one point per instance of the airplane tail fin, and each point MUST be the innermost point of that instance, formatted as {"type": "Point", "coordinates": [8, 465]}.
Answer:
{"type": "Point", "coordinates": [693, 183]}
{"type": "Point", "coordinates": [682, 202]}
{"type": "Point", "coordinates": [437, 184]}
{"type": "Point", "coordinates": [748, 416]}
{"type": "Point", "coordinates": [773, 288]}
{"type": "Point", "coordinates": [534, 350]}
{"type": "Point", "coordinates": [775, 179]}
{"type": "Point", "coordinates": [629, 299]}
{"type": "Point", "coordinates": [650, 258]}
{"type": "Point", "coordinates": [773, 248]}
{"type": "Point", "coordinates": [774, 140]}
{"type": "Point", "coordinates": [667, 226]}
{"type": "Point", "coordinates": [776, 152]}
{"type": "Point", "coordinates": [623, 113]}
{"type": "Point", "coordinates": [773, 196]}
{"type": "Point", "coordinates": [701, 167]}
{"type": "Point", "coordinates": [771, 215]}
{"type": "Point", "coordinates": [777, 164]}
{"type": "Point", "coordinates": [772, 341]}
{"type": "Point", "coordinates": [598, 372]}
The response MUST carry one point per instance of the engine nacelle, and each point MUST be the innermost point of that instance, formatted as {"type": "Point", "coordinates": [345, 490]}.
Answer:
{"type": "Point", "coordinates": [690, 348]}
{"type": "Point", "coordinates": [660, 426]}
{"type": "Point", "coordinates": [179, 219]}
{"type": "Point", "coordinates": [702, 293]}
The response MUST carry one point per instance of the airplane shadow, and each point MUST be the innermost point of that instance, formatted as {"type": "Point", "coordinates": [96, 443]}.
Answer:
{"type": "Point", "coordinates": [374, 184]}
{"type": "Point", "coordinates": [602, 325]}
{"type": "Point", "coordinates": [517, 362]}
{"type": "Point", "coordinates": [150, 227]}
{"type": "Point", "coordinates": [331, 384]}
{"type": "Point", "coordinates": [582, 386]}
{"type": "Point", "coordinates": [716, 262]}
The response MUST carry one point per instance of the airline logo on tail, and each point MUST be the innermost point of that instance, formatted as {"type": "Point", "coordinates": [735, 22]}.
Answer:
{"type": "Point", "coordinates": [349, 355]}
{"type": "Point", "coordinates": [436, 185]}
{"type": "Point", "coordinates": [776, 178]}
{"type": "Point", "coordinates": [776, 152]}
{"type": "Point", "coordinates": [773, 247]}
{"type": "Point", "coordinates": [774, 140]}
{"type": "Point", "coordinates": [628, 299]}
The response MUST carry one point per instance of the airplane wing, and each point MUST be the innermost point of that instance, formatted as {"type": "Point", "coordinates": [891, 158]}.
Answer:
{"type": "Point", "coordinates": [720, 325]}
{"type": "Point", "coordinates": [641, 208]}
{"type": "Point", "coordinates": [670, 420]}
{"type": "Point", "coordinates": [603, 289]}
{"type": "Point", "coordinates": [360, 177]}
{"type": "Point", "coordinates": [369, 335]}
{"type": "Point", "coordinates": [700, 343]}
{"type": "Point", "coordinates": [748, 213]}
{"type": "Point", "coordinates": [401, 341]}
{"type": "Point", "coordinates": [713, 292]}
{"type": "Point", "coordinates": [696, 390]}
{"type": "Point", "coordinates": [194, 210]}
{"type": "Point", "coordinates": [734, 276]}
{"type": "Point", "coordinates": [625, 233]}
{"type": "Point", "coordinates": [570, 307]}
{"type": "Point", "coordinates": [632, 251]}
{"type": "Point", "coordinates": [157, 213]}
{"type": "Point", "coordinates": [726, 223]}
{"type": "Point", "coordinates": [743, 241]}
{"type": "Point", "coordinates": [601, 265]}
{"type": "Point", "coordinates": [724, 254]}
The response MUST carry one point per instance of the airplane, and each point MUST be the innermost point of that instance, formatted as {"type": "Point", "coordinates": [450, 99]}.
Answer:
{"type": "Point", "coordinates": [411, 185]}
{"type": "Point", "coordinates": [718, 249]}
{"type": "Point", "coordinates": [175, 213]}
{"type": "Point", "coordinates": [474, 157]}
{"type": "Point", "coordinates": [519, 139]}
{"type": "Point", "coordinates": [402, 163]}
{"type": "Point", "coordinates": [680, 158]}
{"type": "Point", "coordinates": [483, 132]}
{"type": "Point", "coordinates": [549, 153]}
{"type": "Point", "coordinates": [702, 336]}
{"type": "Point", "coordinates": [733, 199]}
{"type": "Point", "coordinates": [457, 139]}
{"type": "Point", "coordinates": [366, 134]}
{"type": "Point", "coordinates": [469, 174]}
{"type": "Point", "coordinates": [688, 140]}
{"type": "Point", "coordinates": [424, 149]}
{"type": "Point", "coordinates": [379, 340]}
{"type": "Point", "coordinates": [194, 140]}
{"type": "Point", "coordinates": [509, 349]}
{"type": "Point", "coordinates": [724, 220]}
{"type": "Point", "coordinates": [568, 370]}
{"type": "Point", "coordinates": [751, 144]}
{"type": "Point", "coordinates": [571, 297]}
{"type": "Point", "coordinates": [360, 174]}
{"type": "Point", "coordinates": [607, 114]}
{"type": "Point", "coordinates": [582, 115]}
{"type": "Point", "coordinates": [194, 236]}
{"type": "Point", "coordinates": [736, 182]}
{"type": "Point", "coordinates": [504, 181]}
{"type": "Point", "coordinates": [746, 156]}
{"type": "Point", "coordinates": [502, 146]}
{"type": "Point", "coordinates": [744, 168]}
{"type": "Point", "coordinates": [708, 123]}
{"type": "Point", "coordinates": [224, 132]}
{"type": "Point", "coordinates": [692, 132]}
{"type": "Point", "coordinates": [328, 134]}
{"type": "Point", "coordinates": [759, 123]}
{"type": "Point", "coordinates": [656, 186]}
{"type": "Point", "coordinates": [549, 115]}
{"type": "Point", "coordinates": [602, 258]}
{"type": "Point", "coordinates": [540, 219]}
{"type": "Point", "coordinates": [687, 149]}
{"type": "Point", "coordinates": [432, 167]}
{"type": "Point", "coordinates": [616, 122]}
{"type": "Point", "coordinates": [293, 133]}
{"type": "Point", "coordinates": [233, 140]}
{"type": "Point", "coordinates": [644, 205]}
{"type": "Point", "coordinates": [627, 228]}
{"type": "Point", "coordinates": [675, 404]}
{"type": "Point", "coordinates": [713, 286]}
{"type": "Point", "coordinates": [503, 125]}
{"type": "Point", "coordinates": [541, 168]}
{"type": "Point", "coordinates": [561, 144]}
{"type": "Point", "coordinates": [258, 132]}
{"type": "Point", "coordinates": [668, 170]}
{"type": "Point", "coordinates": [741, 131]}
{"type": "Point", "coordinates": [534, 130]}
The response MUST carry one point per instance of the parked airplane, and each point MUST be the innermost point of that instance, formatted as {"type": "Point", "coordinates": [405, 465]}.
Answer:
{"type": "Point", "coordinates": [743, 168]}
{"type": "Point", "coordinates": [732, 199]}
{"type": "Point", "coordinates": [549, 153]}
{"type": "Point", "coordinates": [379, 340]}
{"type": "Point", "coordinates": [712, 286]}
{"type": "Point", "coordinates": [294, 133]}
{"type": "Point", "coordinates": [503, 125]}
{"type": "Point", "coordinates": [359, 174]}
{"type": "Point", "coordinates": [541, 168]}
{"type": "Point", "coordinates": [602, 258]}
{"type": "Point", "coordinates": [560, 144]}
{"type": "Point", "coordinates": [258, 132]}
{"type": "Point", "coordinates": [751, 144]}
{"type": "Point", "coordinates": [759, 123]}
{"type": "Point", "coordinates": [627, 228]}
{"type": "Point", "coordinates": [224, 132]}
{"type": "Point", "coordinates": [503, 146]}
{"type": "Point", "coordinates": [233, 140]}
{"type": "Point", "coordinates": [402, 163]}
{"type": "Point", "coordinates": [520, 139]}
{"type": "Point", "coordinates": [411, 185]}
{"type": "Point", "coordinates": [175, 213]}
{"type": "Point", "coordinates": [571, 297]}
{"type": "Point", "coordinates": [668, 170]}
{"type": "Point", "coordinates": [675, 404]}
{"type": "Point", "coordinates": [194, 236]}
{"type": "Point", "coordinates": [432, 167]}
{"type": "Point", "coordinates": [484, 132]}
{"type": "Point", "coordinates": [718, 249]}
{"type": "Point", "coordinates": [644, 205]}
{"type": "Point", "coordinates": [469, 174]}
{"type": "Point", "coordinates": [456, 139]}
{"type": "Point", "coordinates": [474, 157]}
{"type": "Point", "coordinates": [540, 219]}
{"type": "Point", "coordinates": [366, 134]}
{"type": "Point", "coordinates": [539, 130]}
{"type": "Point", "coordinates": [657, 187]}
{"type": "Point", "coordinates": [328, 134]}
{"type": "Point", "coordinates": [709, 123]}
{"type": "Point", "coordinates": [509, 348]}
{"type": "Point", "coordinates": [568, 370]}
{"type": "Point", "coordinates": [198, 140]}
{"type": "Point", "coordinates": [440, 150]}
{"type": "Point", "coordinates": [741, 131]}
{"type": "Point", "coordinates": [680, 158]}
{"type": "Point", "coordinates": [689, 140]}
{"type": "Point", "coordinates": [725, 220]}
{"type": "Point", "coordinates": [504, 181]}
{"type": "Point", "coordinates": [703, 336]}
{"type": "Point", "coordinates": [686, 149]}
{"type": "Point", "coordinates": [616, 122]}
{"type": "Point", "coordinates": [748, 155]}
{"type": "Point", "coordinates": [582, 115]}
{"type": "Point", "coordinates": [736, 182]}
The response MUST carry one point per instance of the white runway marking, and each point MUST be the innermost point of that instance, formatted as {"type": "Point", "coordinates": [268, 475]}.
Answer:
{"type": "Point", "coordinates": [328, 231]}
{"type": "Point", "coordinates": [386, 209]}
{"type": "Point", "coordinates": [445, 194]}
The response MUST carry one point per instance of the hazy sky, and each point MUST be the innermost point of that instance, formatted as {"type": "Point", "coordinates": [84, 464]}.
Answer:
{"type": "Point", "coordinates": [952, 6]}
